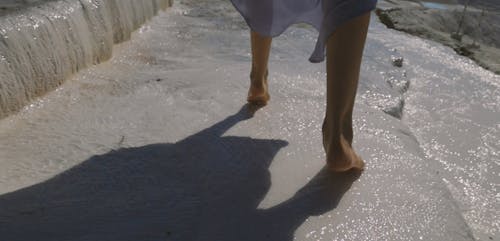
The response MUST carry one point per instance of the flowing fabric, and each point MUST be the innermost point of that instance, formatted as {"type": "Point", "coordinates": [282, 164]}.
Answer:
{"type": "Point", "coordinates": [273, 17]}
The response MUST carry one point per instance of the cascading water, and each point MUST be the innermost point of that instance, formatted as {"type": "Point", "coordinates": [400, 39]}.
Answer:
{"type": "Point", "coordinates": [42, 45]}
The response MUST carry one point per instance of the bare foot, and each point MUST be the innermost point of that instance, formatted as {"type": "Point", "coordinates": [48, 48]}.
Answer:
{"type": "Point", "coordinates": [258, 93]}
{"type": "Point", "coordinates": [341, 158]}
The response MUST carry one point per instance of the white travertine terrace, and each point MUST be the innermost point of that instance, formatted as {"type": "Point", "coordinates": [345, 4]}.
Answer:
{"type": "Point", "coordinates": [43, 44]}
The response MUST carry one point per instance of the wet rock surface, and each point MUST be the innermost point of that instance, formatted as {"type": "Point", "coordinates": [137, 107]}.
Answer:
{"type": "Point", "coordinates": [43, 42]}
{"type": "Point", "coordinates": [478, 37]}
{"type": "Point", "coordinates": [115, 154]}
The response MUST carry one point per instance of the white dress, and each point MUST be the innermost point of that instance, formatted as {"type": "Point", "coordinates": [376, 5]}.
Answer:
{"type": "Point", "coordinates": [273, 17]}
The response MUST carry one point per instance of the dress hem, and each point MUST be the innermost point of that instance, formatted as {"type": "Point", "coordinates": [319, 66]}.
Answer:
{"type": "Point", "coordinates": [332, 20]}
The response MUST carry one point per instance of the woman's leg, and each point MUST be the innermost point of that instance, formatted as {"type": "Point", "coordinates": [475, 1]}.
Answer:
{"type": "Point", "coordinates": [258, 92]}
{"type": "Point", "coordinates": [344, 53]}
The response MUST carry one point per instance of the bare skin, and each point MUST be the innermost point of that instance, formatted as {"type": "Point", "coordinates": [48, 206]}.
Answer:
{"type": "Point", "coordinates": [344, 54]}
{"type": "Point", "coordinates": [258, 93]}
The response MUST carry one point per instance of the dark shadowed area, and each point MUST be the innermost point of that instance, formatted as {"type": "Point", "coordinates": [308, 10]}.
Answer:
{"type": "Point", "coordinates": [205, 187]}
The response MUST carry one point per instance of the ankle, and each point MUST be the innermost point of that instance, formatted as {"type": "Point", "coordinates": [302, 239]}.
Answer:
{"type": "Point", "coordinates": [331, 130]}
{"type": "Point", "coordinates": [258, 74]}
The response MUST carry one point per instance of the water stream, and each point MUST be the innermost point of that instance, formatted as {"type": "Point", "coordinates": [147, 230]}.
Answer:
{"type": "Point", "coordinates": [42, 43]}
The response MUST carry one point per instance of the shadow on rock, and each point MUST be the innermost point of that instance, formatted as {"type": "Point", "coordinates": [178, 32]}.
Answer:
{"type": "Point", "coordinates": [205, 187]}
